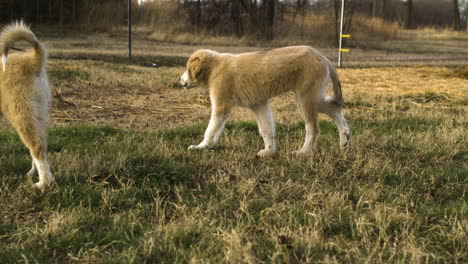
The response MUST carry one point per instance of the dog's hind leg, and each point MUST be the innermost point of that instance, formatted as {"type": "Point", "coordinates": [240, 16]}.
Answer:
{"type": "Point", "coordinates": [32, 131]}
{"type": "Point", "coordinates": [329, 107]}
{"type": "Point", "coordinates": [34, 138]}
{"type": "Point", "coordinates": [266, 127]}
{"type": "Point", "coordinates": [33, 170]}
{"type": "Point", "coordinates": [308, 107]}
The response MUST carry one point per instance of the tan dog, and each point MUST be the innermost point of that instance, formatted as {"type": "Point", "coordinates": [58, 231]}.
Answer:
{"type": "Point", "coordinates": [25, 95]}
{"type": "Point", "coordinates": [250, 79]}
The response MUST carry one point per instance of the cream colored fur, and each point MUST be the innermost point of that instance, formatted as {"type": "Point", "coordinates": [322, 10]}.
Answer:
{"type": "Point", "coordinates": [25, 95]}
{"type": "Point", "coordinates": [251, 79]}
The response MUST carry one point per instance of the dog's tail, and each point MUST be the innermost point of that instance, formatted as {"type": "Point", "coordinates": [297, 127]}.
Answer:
{"type": "Point", "coordinates": [336, 85]}
{"type": "Point", "coordinates": [18, 31]}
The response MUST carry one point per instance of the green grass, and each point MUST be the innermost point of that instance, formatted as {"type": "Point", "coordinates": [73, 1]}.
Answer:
{"type": "Point", "coordinates": [69, 74]}
{"type": "Point", "coordinates": [397, 195]}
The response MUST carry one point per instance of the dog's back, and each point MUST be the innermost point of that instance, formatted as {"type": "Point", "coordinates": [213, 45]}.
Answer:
{"type": "Point", "coordinates": [261, 75]}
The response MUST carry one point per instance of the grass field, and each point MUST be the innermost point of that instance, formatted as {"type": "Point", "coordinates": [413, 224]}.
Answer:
{"type": "Point", "coordinates": [128, 191]}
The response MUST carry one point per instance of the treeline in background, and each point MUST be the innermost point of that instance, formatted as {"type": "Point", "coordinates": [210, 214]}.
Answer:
{"type": "Point", "coordinates": [187, 20]}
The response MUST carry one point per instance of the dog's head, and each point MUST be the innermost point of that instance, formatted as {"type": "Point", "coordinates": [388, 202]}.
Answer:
{"type": "Point", "coordinates": [197, 68]}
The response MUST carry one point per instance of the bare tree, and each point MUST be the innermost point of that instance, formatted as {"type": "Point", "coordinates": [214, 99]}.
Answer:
{"type": "Point", "coordinates": [383, 5]}
{"type": "Point", "coordinates": [62, 15]}
{"type": "Point", "coordinates": [251, 7]}
{"type": "Point", "coordinates": [301, 7]}
{"type": "Point", "coordinates": [456, 15]}
{"type": "Point", "coordinates": [374, 8]}
{"type": "Point", "coordinates": [347, 19]}
{"type": "Point", "coordinates": [236, 16]}
{"type": "Point", "coordinates": [466, 15]}
{"type": "Point", "coordinates": [409, 14]}
{"type": "Point", "coordinates": [269, 14]}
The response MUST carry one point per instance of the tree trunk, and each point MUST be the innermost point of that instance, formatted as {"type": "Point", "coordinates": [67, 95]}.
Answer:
{"type": "Point", "coordinates": [50, 11]}
{"type": "Point", "coordinates": [383, 4]}
{"type": "Point", "coordinates": [466, 15]}
{"type": "Point", "coordinates": [25, 9]}
{"type": "Point", "coordinates": [74, 11]}
{"type": "Point", "coordinates": [61, 13]}
{"type": "Point", "coordinates": [456, 15]}
{"type": "Point", "coordinates": [299, 7]}
{"type": "Point", "coordinates": [374, 8]}
{"type": "Point", "coordinates": [38, 12]}
{"type": "Point", "coordinates": [270, 19]}
{"type": "Point", "coordinates": [350, 7]}
{"type": "Point", "coordinates": [237, 27]}
{"type": "Point", "coordinates": [409, 14]}
{"type": "Point", "coordinates": [198, 15]}
{"type": "Point", "coordinates": [336, 8]}
{"type": "Point", "coordinates": [303, 16]}
{"type": "Point", "coordinates": [253, 16]}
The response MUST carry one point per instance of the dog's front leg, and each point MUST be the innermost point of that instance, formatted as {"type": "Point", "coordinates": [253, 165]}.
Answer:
{"type": "Point", "coordinates": [219, 116]}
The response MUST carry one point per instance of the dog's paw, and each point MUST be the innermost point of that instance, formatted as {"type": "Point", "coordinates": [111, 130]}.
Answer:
{"type": "Point", "coordinates": [198, 146]}
{"type": "Point", "coordinates": [193, 147]}
{"type": "Point", "coordinates": [265, 153]}
{"type": "Point", "coordinates": [345, 140]}
{"type": "Point", "coordinates": [39, 186]}
{"type": "Point", "coordinates": [43, 185]}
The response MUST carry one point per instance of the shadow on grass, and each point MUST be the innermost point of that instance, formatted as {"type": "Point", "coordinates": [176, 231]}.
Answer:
{"type": "Point", "coordinates": [87, 144]}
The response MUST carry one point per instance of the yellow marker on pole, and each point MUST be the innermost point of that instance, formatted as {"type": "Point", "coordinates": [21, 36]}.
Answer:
{"type": "Point", "coordinates": [346, 36]}
{"type": "Point", "coordinates": [344, 50]}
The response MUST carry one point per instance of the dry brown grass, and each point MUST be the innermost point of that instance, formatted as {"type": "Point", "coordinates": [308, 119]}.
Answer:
{"type": "Point", "coordinates": [138, 97]}
{"type": "Point", "coordinates": [145, 98]}
{"type": "Point", "coordinates": [367, 28]}
{"type": "Point", "coordinates": [200, 38]}
{"type": "Point", "coordinates": [460, 72]}
{"type": "Point", "coordinates": [308, 30]}
{"type": "Point", "coordinates": [431, 33]}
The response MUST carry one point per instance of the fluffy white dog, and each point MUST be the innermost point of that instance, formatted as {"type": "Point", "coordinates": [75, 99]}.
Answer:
{"type": "Point", "coordinates": [25, 95]}
{"type": "Point", "coordinates": [250, 79]}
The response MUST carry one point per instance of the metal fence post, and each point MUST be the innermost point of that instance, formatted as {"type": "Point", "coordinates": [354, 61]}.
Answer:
{"type": "Point", "coordinates": [341, 33]}
{"type": "Point", "coordinates": [130, 30]}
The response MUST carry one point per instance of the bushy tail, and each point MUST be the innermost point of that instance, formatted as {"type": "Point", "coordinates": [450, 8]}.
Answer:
{"type": "Point", "coordinates": [18, 31]}
{"type": "Point", "coordinates": [336, 85]}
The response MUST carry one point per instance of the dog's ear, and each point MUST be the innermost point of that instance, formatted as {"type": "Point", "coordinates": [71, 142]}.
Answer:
{"type": "Point", "coordinates": [195, 68]}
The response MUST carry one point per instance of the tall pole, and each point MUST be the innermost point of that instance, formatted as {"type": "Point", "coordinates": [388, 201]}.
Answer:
{"type": "Point", "coordinates": [130, 30]}
{"type": "Point", "coordinates": [341, 33]}
{"type": "Point", "coordinates": [374, 8]}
